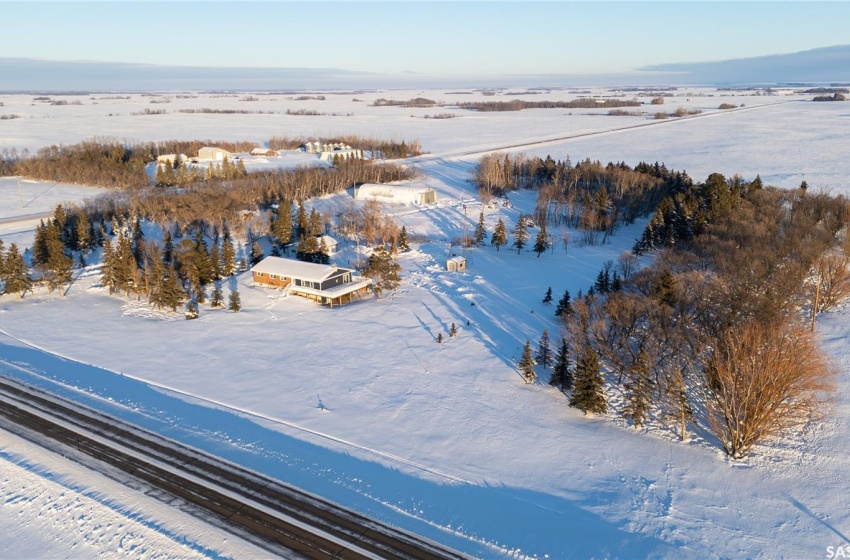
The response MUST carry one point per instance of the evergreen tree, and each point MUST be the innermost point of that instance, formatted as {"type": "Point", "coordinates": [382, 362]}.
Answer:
{"type": "Point", "coordinates": [500, 235]}
{"type": "Point", "coordinates": [480, 230]}
{"type": "Point", "coordinates": [282, 228]}
{"type": "Point", "coordinates": [15, 272]}
{"type": "Point", "coordinates": [541, 243]}
{"type": "Point", "coordinates": [57, 269]}
{"type": "Point", "coordinates": [228, 257]}
{"type": "Point", "coordinates": [562, 373]}
{"type": "Point", "coordinates": [383, 270]}
{"type": "Point", "coordinates": [301, 224]}
{"type": "Point", "coordinates": [544, 350]}
{"type": "Point", "coordinates": [638, 390]}
{"type": "Point", "coordinates": [804, 186]}
{"type": "Point", "coordinates": [202, 260]}
{"type": "Point", "coordinates": [526, 364]}
{"type": "Point", "coordinates": [82, 230]}
{"type": "Point", "coordinates": [520, 234]}
{"type": "Point", "coordinates": [167, 247]}
{"type": "Point", "coordinates": [564, 308]}
{"type": "Point", "coordinates": [171, 289]}
{"type": "Point", "coordinates": [588, 394]}
{"type": "Point", "coordinates": [453, 331]}
{"type": "Point", "coordinates": [663, 288]}
{"type": "Point", "coordinates": [547, 299]}
{"type": "Point", "coordinates": [215, 261]}
{"type": "Point", "coordinates": [315, 223]}
{"type": "Point", "coordinates": [256, 253]}
{"type": "Point", "coordinates": [439, 338]}
{"type": "Point", "coordinates": [308, 249]}
{"type": "Point", "coordinates": [217, 298]}
{"type": "Point", "coordinates": [402, 240]}
{"type": "Point", "coordinates": [603, 282]}
{"type": "Point", "coordinates": [235, 303]}
{"type": "Point", "coordinates": [108, 275]}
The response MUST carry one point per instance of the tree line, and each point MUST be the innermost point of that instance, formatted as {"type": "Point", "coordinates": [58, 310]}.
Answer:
{"type": "Point", "coordinates": [588, 195]}
{"type": "Point", "coordinates": [519, 104]}
{"type": "Point", "coordinates": [716, 330]}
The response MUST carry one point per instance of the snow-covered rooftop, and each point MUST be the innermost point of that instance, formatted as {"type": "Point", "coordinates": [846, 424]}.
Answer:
{"type": "Point", "coordinates": [290, 268]}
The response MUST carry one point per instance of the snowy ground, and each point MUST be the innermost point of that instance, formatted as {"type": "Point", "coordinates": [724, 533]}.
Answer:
{"type": "Point", "coordinates": [361, 405]}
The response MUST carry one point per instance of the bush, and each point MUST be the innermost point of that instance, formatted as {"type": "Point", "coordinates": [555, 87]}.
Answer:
{"type": "Point", "coordinates": [660, 116]}
{"type": "Point", "coordinates": [727, 106]}
{"type": "Point", "coordinates": [657, 101]}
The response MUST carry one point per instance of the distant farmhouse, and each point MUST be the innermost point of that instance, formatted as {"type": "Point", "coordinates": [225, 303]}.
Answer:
{"type": "Point", "coordinates": [396, 194]}
{"type": "Point", "coordinates": [211, 153]}
{"type": "Point", "coordinates": [324, 284]}
{"type": "Point", "coordinates": [259, 152]}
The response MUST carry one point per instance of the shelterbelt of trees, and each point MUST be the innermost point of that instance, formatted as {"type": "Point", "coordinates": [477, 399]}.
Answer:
{"type": "Point", "coordinates": [716, 332]}
{"type": "Point", "coordinates": [112, 164]}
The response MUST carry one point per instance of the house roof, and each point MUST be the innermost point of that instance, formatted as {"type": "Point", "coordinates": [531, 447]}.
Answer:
{"type": "Point", "coordinates": [290, 268]}
{"type": "Point", "coordinates": [458, 259]}
{"type": "Point", "coordinates": [262, 151]}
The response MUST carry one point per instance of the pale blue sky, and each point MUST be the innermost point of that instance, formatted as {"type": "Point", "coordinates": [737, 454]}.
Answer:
{"type": "Point", "coordinates": [437, 38]}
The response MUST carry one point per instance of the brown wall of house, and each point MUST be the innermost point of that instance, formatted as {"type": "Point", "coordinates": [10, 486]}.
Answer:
{"type": "Point", "coordinates": [272, 281]}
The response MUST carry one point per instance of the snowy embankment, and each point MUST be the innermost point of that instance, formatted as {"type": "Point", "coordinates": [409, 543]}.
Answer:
{"type": "Point", "coordinates": [361, 405]}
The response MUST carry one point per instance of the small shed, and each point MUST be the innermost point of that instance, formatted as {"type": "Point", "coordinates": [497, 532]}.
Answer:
{"type": "Point", "coordinates": [456, 264]}
{"type": "Point", "coordinates": [257, 152]}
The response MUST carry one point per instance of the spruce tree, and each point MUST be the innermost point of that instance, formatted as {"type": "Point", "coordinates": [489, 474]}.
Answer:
{"type": "Point", "coordinates": [439, 338]}
{"type": "Point", "coordinates": [282, 228]}
{"type": "Point", "coordinates": [15, 272]}
{"type": "Point", "coordinates": [500, 235]}
{"type": "Point", "coordinates": [547, 299]}
{"type": "Point", "coordinates": [638, 390]}
{"type": "Point", "coordinates": [167, 247]}
{"type": "Point", "coordinates": [235, 303]}
{"type": "Point", "coordinates": [480, 230]}
{"type": "Point", "coordinates": [562, 373]}
{"type": "Point", "coordinates": [228, 257]}
{"type": "Point", "coordinates": [526, 364]}
{"type": "Point", "coordinates": [544, 350]}
{"type": "Point", "coordinates": [564, 308]}
{"type": "Point", "coordinates": [520, 234]}
{"type": "Point", "coordinates": [588, 394]}
{"type": "Point", "coordinates": [215, 261]}
{"type": "Point", "coordinates": [171, 289]}
{"type": "Point", "coordinates": [301, 221]}
{"type": "Point", "coordinates": [541, 243]}
{"type": "Point", "coordinates": [453, 331]}
{"type": "Point", "coordinates": [192, 309]}
{"type": "Point", "coordinates": [403, 245]}
{"type": "Point", "coordinates": [217, 298]}
{"type": "Point", "coordinates": [383, 270]}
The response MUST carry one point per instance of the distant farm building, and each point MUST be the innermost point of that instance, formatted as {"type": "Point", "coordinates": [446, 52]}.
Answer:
{"type": "Point", "coordinates": [341, 153]}
{"type": "Point", "coordinates": [456, 264]}
{"type": "Point", "coordinates": [259, 152]}
{"type": "Point", "coordinates": [396, 194]}
{"type": "Point", "coordinates": [325, 284]}
{"type": "Point", "coordinates": [212, 153]}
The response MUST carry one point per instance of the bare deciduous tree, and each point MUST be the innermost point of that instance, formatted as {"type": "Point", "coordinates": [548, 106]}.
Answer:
{"type": "Point", "coordinates": [760, 381]}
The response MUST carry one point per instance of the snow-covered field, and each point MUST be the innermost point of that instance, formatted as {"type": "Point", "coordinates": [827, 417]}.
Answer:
{"type": "Point", "coordinates": [361, 405]}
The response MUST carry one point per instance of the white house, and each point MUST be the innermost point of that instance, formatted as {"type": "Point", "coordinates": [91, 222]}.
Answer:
{"type": "Point", "coordinates": [212, 153]}
{"type": "Point", "coordinates": [325, 284]}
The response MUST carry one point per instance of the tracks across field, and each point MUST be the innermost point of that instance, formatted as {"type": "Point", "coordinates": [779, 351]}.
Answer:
{"type": "Point", "coordinates": [277, 516]}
